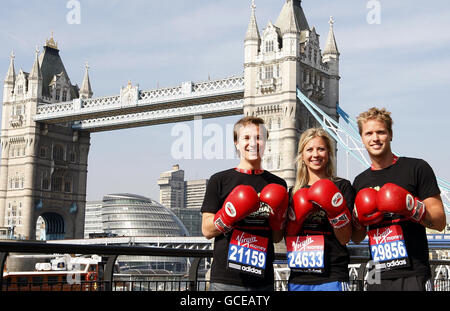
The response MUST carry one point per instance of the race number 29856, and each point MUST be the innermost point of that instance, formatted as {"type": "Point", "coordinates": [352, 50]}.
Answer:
{"type": "Point", "coordinates": [388, 248]}
{"type": "Point", "coordinates": [388, 251]}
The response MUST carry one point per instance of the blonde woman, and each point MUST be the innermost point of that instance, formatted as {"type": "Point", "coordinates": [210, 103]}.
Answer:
{"type": "Point", "coordinates": [319, 225]}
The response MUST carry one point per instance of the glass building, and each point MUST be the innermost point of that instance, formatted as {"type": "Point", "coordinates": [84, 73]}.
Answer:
{"type": "Point", "coordinates": [134, 215]}
{"type": "Point", "coordinates": [92, 218]}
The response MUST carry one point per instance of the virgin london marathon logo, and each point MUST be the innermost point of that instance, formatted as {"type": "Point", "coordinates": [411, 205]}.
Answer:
{"type": "Point", "coordinates": [245, 241]}
{"type": "Point", "coordinates": [249, 241]}
{"type": "Point", "coordinates": [385, 236]}
{"type": "Point", "coordinates": [301, 246]}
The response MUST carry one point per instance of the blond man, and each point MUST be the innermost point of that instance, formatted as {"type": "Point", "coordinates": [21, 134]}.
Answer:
{"type": "Point", "coordinates": [397, 198]}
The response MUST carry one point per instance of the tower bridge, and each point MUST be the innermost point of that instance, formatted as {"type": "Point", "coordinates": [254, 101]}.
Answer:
{"type": "Point", "coordinates": [133, 107]}
{"type": "Point", "coordinates": [47, 120]}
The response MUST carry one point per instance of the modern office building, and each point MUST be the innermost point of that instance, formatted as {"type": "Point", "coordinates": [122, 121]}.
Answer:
{"type": "Point", "coordinates": [195, 193]}
{"type": "Point", "coordinates": [184, 198]}
{"type": "Point", "coordinates": [191, 218]}
{"type": "Point", "coordinates": [93, 218]}
{"type": "Point", "coordinates": [172, 188]}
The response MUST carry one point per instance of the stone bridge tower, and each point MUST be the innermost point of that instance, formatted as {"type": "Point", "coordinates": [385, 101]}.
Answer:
{"type": "Point", "coordinates": [43, 168]}
{"type": "Point", "coordinates": [287, 55]}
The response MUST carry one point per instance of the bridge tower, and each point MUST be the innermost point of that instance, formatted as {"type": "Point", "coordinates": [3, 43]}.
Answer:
{"type": "Point", "coordinates": [287, 55]}
{"type": "Point", "coordinates": [43, 169]}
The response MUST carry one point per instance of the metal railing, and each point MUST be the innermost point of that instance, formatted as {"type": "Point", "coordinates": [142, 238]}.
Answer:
{"type": "Point", "coordinates": [111, 281]}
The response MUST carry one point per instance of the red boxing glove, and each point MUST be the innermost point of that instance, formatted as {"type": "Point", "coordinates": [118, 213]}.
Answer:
{"type": "Point", "coordinates": [302, 208]}
{"type": "Point", "coordinates": [394, 199]}
{"type": "Point", "coordinates": [365, 211]}
{"type": "Point", "coordinates": [242, 201]}
{"type": "Point", "coordinates": [325, 193]}
{"type": "Point", "coordinates": [277, 198]}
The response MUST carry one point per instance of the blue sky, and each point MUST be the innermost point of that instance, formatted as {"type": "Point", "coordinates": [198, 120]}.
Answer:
{"type": "Point", "coordinates": [401, 63]}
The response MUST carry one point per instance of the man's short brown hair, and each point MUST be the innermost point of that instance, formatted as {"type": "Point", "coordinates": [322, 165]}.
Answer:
{"type": "Point", "coordinates": [250, 120]}
{"type": "Point", "coordinates": [375, 114]}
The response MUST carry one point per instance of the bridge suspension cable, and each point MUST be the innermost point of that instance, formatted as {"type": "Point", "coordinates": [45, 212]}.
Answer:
{"type": "Point", "coordinates": [348, 137]}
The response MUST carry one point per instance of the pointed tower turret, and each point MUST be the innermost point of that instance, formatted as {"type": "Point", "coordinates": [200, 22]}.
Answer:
{"type": "Point", "coordinates": [35, 72]}
{"type": "Point", "coordinates": [11, 74]}
{"type": "Point", "coordinates": [252, 37]}
{"type": "Point", "coordinates": [55, 80]}
{"type": "Point", "coordinates": [10, 80]}
{"type": "Point", "coordinates": [331, 51]}
{"type": "Point", "coordinates": [252, 30]}
{"type": "Point", "coordinates": [252, 45]}
{"type": "Point", "coordinates": [292, 18]}
{"type": "Point", "coordinates": [331, 58]}
{"type": "Point", "coordinates": [86, 90]}
{"type": "Point", "coordinates": [35, 78]}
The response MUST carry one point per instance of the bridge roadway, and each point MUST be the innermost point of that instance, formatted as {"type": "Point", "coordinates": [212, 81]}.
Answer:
{"type": "Point", "coordinates": [164, 242]}
{"type": "Point", "coordinates": [134, 108]}
{"type": "Point", "coordinates": [434, 241]}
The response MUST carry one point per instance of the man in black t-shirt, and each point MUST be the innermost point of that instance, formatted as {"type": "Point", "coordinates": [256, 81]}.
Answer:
{"type": "Point", "coordinates": [244, 210]}
{"type": "Point", "coordinates": [397, 197]}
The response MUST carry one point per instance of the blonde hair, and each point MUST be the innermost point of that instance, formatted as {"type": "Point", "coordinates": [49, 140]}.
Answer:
{"type": "Point", "coordinates": [375, 114]}
{"type": "Point", "coordinates": [302, 177]}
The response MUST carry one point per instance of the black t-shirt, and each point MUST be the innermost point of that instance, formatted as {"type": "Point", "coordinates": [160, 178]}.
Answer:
{"type": "Point", "coordinates": [417, 177]}
{"type": "Point", "coordinates": [336, 256]}
{"type": "Point", "coordinates": [217, 190]}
